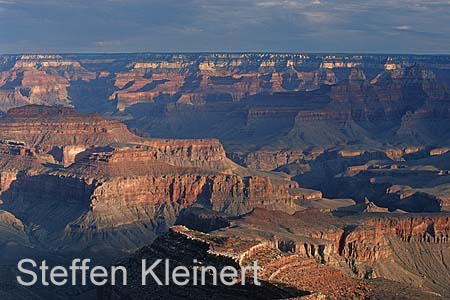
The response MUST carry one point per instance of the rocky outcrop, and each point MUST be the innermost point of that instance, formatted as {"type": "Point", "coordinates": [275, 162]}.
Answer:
{"type": "Point", "coordinates": [299, 99]}
{"type": "Point", "coordinates": [146, 78]}
{"type": "Point", "coordinates": [6, 178]}
{"type": "Point", "coordinates": [45, 128]}
{"type": "Point", "coordinates": [266, 160]}
{"type": "Point", "coordinates": [373, 245]}
{"type": "Point", "coordinates": [135, 198]}
{"type": "Point", "coordinates": [298, 258]}
{"type": "Point", "coordinates": [432, 229]}
{"type": "Point", "coordinates": [30, 86]}
{"type": "Point", "coordinates": [192, 245]}
{"type": "Point", "coordinates": [16, 160]}
{"type": "Point", "coordinates": [100, 180]}
{"type": "Point", "coordinates": [70, 153]}
{"type": "Point", "coordinates": [388, 245]}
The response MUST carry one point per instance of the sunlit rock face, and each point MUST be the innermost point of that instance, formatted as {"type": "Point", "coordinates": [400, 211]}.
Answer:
{"type": "Point", "coordinates": [330, 169]}
{"type": "Point", "coordinates": [192, 79]}
{"type": "Point", "coordinates": [87, 183]}
{"type": "Point", "coordinates": [358, 257]}
{"type": "Point", "coordinates": [303, 100]}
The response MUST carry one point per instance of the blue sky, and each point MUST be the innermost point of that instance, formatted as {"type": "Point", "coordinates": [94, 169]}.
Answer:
{"type": "Point", "coordinates": [384, 26]}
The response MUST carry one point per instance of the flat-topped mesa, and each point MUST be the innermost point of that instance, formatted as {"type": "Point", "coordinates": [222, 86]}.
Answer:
{"type": "Point", "coordinates": [69, 136]}
{"type": "Point", "coordinates": [67, 69]}
{"type": "Point", "coordinates": [216, 179]}
{"type": "Point", "coordinates": [137, 160]}
{"type": "Point", "coordinates": [210, 150]}
{"type": "Point", "coordinates": [206, 154]}
{"type": "Point", "coordinates": [45, 127]}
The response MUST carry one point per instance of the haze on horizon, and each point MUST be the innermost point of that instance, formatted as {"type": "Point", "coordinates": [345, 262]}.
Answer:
{"type": "Point", "coordinates": [384, 26]}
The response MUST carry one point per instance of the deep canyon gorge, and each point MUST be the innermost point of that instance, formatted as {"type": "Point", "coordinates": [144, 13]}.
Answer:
{"type": "Point", "coordinates": [332, 171]}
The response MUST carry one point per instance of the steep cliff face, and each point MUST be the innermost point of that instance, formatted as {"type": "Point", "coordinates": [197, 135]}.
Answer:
{"type": "Point", "coordinates": [292, 98]}
{"type": "Point", "coordinates": [136, 205]}
{"type": "Point", "coordinates": [14, 241]}
{"type": "Point", "coordinates": [39, 79]}
{"type": "Point", "coordinates": [411, 248]}
{"type": "Point", "coordinates": [388, 247]}
{"type": "Point", "coordinates": [46, 127]}
{"type": "Point", "coordinates": [112, 190]}
{"type": "Point", "coordinates": [394, 248]}
{"type": "Point", "coordinates": [430, 229]}
{"type": "Point", "coordinates": [29, 86]}
{"type": "Point", "coordinates": [16, 160]}
{"type": "Point", "coordinates": [293, 257]}
{"type": "Point", "coordinates": [190, 78]}
{"type": "Point", "coordinates": [266, 160]}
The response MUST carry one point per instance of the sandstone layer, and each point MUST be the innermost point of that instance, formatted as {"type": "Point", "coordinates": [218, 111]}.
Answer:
{"type": "Point", "coordinates": [84, 183]}
{"type": "Point", "coordinates": [310, 252]}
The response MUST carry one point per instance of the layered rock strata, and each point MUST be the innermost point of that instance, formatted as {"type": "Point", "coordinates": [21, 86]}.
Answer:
{"type": "Point", "coordinates": [87, 183]}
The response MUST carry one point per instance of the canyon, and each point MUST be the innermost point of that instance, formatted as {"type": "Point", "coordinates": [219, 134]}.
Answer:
{"type": "Point", "coordinates": [249, 101]}
{"type": "Point", "coordinates": [330, 170]}
{"type": "Point", "coordinates": [82, 182]}
{"type": "Point", "coordinates": [311, 253]}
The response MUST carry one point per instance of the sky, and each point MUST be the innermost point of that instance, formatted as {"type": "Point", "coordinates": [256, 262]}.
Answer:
{"type": "Point", "coordinates": [347, 26]}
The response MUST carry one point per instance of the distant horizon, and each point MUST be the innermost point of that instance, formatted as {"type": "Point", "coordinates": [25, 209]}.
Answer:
{"type": "Point", "coordinates": [227, 52]}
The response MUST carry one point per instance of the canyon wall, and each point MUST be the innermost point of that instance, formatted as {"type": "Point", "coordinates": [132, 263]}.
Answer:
{"type": "Point", "coordinates": [296, 100]}
{"type": "Point", "coordinates": [192, 79]}
{"type": "Point", "coordinates": [87, 183]}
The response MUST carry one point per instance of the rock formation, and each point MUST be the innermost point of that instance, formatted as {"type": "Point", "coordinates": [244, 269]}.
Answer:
{"type": "Point", "coordinates": [82, 180]}
{"type": "Point", "coordinates": [310, 252]}
{"type": "Point", "coordinates": [330, 170]}
{"type": "Point", "coordinates": [298, 100]}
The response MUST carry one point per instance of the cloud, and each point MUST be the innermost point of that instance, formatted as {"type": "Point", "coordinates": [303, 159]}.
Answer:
{"type": "Point", "coordinates": [403, 27]}
{"type": "Point", "coordinates": [225, 25]}
{"type": "Point", "coordinates": [106, 43]}
{"type": "Point", "coordinates": [280, 4]}
{"type": "Point", "coordinates": [288, 3]}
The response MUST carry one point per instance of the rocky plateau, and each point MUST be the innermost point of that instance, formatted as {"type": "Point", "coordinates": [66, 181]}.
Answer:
{"type": "Point", "coordinates": [332, 171]}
